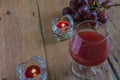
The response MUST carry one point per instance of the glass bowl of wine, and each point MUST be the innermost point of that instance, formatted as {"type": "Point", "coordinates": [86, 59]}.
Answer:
{"type": "Point", "coordinates": [89, 47]}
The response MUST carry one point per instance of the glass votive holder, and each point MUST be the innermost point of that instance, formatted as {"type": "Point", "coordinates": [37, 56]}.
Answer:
{"type": "Point", "coordinates": [33, 69]}
{"type": "Point", "coordinates": [62, 27]}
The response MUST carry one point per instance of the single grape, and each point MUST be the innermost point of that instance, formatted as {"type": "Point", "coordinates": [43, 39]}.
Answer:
{"type": "Point", "coordinates": [74, 8]}
{"type": "Point", "coordinates": [101, 17]}
{"type": "Point", "coordinates": [76, 17]}
{"type": "Point", "coordinates": [84, 2]}
{"type": "Point", "coordinates": [83, 10]}
{"type": "Point", "coordinates": [74, 3]}
{"type": "Point", "coordinates": [92, 15]}
{"type": "Point", "coordinates": [85, 17]}
{"type": "Point", "coordinates": [79, 1]}
{"type": "Point", "coordinates": [107, 4]}
{"type": "Point", "coordinates": [90, 1]}
{"type": "Point", "coordinates": [66, 10]}
{"type": "Point", "coordinates": [93, 23]}
{"type": "Point", "coordinates": [100, 2]}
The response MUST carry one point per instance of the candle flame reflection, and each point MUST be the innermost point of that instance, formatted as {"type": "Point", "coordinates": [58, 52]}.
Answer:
{"type": "Point", "coordinates": [63, 30]}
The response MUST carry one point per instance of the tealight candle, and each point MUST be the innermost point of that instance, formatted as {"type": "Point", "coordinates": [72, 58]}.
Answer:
{"type": "Point", "coordinates": [33, 69]}
{"type": "Point", "coordinates": [62, 27]}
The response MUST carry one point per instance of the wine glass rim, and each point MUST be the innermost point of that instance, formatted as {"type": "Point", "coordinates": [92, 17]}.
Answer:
{"type": "Point", "coordinates": [90, 42]}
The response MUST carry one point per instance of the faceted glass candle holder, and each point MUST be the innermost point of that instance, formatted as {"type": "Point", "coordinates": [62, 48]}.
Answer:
{"type": "Point", "coordinates": [62, 27]}
{"type": "Point", "coordinates": [33, 69]}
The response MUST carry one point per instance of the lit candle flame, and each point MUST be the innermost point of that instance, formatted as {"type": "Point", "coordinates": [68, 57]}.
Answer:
{"type": "Point", "coordinates": [33, 70]}
{"type": "Point", "coordinates": [63, 25]}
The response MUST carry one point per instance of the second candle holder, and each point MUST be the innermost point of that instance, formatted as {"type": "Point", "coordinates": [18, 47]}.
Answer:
{"type": "Point", "coordinates": [33, 69]}
{"type": "Point", "coordinates": [62, 27]}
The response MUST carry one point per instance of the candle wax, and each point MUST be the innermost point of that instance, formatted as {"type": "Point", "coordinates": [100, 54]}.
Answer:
{"type": "Point", "coordinates": [63, 24]}
{"type": "Point", "coordinates": [32, 71]}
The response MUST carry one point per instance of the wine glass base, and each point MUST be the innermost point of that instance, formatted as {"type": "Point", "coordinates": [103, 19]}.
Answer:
{"type": "Point", "coordinates": [86, 73]}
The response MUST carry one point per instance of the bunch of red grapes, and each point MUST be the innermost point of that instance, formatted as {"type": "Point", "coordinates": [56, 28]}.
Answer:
{"type": "Point", "coordinates": [81, 10]}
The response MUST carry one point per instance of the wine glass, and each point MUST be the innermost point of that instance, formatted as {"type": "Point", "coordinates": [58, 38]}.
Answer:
{"type": "Point", "coordinates": [89, 47]}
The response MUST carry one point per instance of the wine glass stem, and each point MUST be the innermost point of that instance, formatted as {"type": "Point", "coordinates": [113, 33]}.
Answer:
{"type": "Point", "coordinates": [84, 72]}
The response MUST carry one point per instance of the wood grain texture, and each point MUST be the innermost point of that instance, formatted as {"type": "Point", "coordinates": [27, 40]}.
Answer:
{"type": "Point", "coordinates": [114, 30]}
{"type": "Point", "coordinates": [20, 35]}
{"type": "Point", "coordinates": [57, 55]}
{"type": "Point", "coordinates": [25, 31]}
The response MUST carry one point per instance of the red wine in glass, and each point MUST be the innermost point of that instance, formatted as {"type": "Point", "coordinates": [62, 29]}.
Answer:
{"type": "Point", "coordinates": [88, 47]}
{"type": "Point", "coordinates": [89, 54]}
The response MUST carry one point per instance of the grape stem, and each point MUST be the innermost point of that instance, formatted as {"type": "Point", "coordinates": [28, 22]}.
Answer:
{"type": "Point", "coordinates": [96, 7]}
{"type": "Point", "coordinates": [115, 5]}
{"type": "Point", "coordinates": [92, 6]}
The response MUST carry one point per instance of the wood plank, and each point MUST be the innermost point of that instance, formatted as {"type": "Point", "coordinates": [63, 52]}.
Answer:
{"type": "Point", "coordinates": [20, 35]}
{"type": "Point", "coordinates": [58, 57]}
{"type": "Point", "coordinates": [114, 30]}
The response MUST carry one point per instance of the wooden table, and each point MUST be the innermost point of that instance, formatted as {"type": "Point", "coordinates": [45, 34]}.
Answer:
{"type": "Point", "coordinates": [25, 31]}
